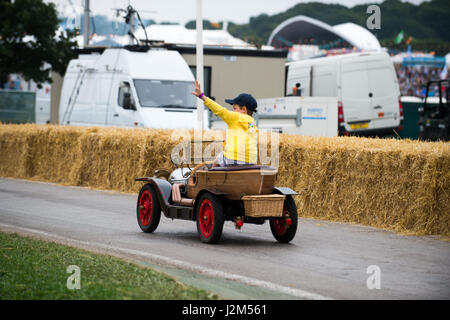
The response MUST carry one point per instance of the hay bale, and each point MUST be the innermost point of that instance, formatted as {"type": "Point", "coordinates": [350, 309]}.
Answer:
{"type": "Point", "coordinates": [397, 185]}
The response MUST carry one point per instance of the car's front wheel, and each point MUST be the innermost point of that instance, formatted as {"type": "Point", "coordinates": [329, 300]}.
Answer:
{"type": "Point", "coordinates": [148, 209]}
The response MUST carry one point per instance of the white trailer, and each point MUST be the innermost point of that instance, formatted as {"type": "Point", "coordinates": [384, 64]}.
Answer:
{"type": "Point", "coordinates": [309, 116]}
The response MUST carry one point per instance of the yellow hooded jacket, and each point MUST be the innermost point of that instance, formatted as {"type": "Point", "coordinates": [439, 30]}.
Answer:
{"type": "Point", "coordinates": [241, 136]}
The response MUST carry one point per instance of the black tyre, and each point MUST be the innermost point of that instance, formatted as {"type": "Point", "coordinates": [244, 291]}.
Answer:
{"type": "Point", "coordinates": [210, 218]}
{"type": "Point", "coordinates": [285, 228]}
{"type": "Point", "coordinates": [148, 209]}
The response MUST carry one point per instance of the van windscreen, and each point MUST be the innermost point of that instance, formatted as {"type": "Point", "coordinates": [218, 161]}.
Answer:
{"type": "Point", "coordinates": [165, 93]}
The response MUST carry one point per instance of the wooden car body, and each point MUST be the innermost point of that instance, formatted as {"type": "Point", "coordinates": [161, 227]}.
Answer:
{"type": "Point", "coordinates": [233, 183]}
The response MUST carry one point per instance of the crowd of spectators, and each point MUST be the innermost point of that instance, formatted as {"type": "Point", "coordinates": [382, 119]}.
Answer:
{"type": "Point", "coordinates": [413, 80]}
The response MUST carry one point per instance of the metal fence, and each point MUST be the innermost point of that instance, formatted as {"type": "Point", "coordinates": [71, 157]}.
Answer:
{"type": "Point", "coordinates": [17, 106]}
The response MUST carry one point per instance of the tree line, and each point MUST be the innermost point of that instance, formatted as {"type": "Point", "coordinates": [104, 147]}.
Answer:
{"type": "Point", "coordinates": [427, 23]}
{"type": "Point", "coordinates": [30, 43]}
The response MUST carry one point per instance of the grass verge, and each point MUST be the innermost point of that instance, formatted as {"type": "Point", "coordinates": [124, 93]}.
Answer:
{"type": "Point", "coordinates": [35, 269]}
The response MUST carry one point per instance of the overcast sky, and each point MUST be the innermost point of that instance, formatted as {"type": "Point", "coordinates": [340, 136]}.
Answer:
{"type": "Point", "coordinates": [182, 11]}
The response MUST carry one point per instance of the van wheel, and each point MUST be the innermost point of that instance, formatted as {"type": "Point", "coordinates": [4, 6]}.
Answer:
{"type": "Point", "coordinates": [285, 228]}
{"type": "Point", "coordinates": [148, 209]}
{"type": "Point", "coordinates": [210, 218]}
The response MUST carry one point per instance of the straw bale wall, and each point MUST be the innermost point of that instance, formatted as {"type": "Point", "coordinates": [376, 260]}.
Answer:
{"type": "Point", "coordinates": [400, 185]}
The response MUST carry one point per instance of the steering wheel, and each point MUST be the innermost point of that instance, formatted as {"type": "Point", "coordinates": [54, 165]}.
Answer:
{"type": "Point", "coordinates": [191, 178]}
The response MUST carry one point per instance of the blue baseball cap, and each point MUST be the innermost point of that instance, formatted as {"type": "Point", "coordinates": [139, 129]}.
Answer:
{"type": "Point", "coordinates": [244, 99]}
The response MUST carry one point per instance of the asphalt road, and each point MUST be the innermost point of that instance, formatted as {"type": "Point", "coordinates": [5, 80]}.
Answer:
{"type": "Point", "coordinates": [324, 261]}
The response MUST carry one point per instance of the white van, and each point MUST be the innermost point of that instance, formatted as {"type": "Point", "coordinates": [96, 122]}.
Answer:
{"type": "Point", "coordinates": [365, 84]}
{"type": "Point", "coordinates": [120, 87]}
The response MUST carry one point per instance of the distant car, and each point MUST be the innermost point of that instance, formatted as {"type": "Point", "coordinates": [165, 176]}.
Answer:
{"type": "Point", "coordinates": [365, 84]}
{"type": "Point", "coordinates": [434, 121]}
{"type": "Point", "coordinates": [210, 196]}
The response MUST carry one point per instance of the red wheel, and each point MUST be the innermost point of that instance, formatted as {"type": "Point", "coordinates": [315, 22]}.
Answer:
{"type": "Point", "coordinates": [210, 218]}
{"type": "Point", "coordinates": [145, 208]}
{"type": "Point", "coordinates": [206, 218]}
{"type": "Point", "coordinates": [148, 209]}
{"type": "Point", "coordinates": [285, 228]}
{"type": "Point", "coordinates": [279, 225]}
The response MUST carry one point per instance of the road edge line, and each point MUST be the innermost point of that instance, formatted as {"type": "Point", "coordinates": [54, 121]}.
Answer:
{"type": "Point", "coordinates": [180, 264]}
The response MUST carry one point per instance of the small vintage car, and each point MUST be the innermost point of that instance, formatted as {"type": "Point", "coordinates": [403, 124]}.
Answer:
{"type": "Point", "coordinates": [212, 195]}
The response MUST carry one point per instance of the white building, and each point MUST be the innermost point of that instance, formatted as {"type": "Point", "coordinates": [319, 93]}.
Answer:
{"type": "Point", "coordinates": [178, 34]}
{"type": "Point", "coordinates": [307, 37]}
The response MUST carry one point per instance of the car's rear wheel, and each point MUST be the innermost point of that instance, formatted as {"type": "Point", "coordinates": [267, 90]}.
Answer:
{"type": "Point", "coordinates": [148, 209]}
{"type": "Point", "coordinates": [285, 227]}
{"type": "Point", "coordinates": [210, 218]}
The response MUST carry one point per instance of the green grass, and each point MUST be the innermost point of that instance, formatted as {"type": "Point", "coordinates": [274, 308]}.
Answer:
{"type": "Point", "coordinates": [36, 269]}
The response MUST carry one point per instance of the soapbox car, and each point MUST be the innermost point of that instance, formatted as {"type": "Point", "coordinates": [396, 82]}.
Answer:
{"type": "Point", "coordinates": [212, 195]}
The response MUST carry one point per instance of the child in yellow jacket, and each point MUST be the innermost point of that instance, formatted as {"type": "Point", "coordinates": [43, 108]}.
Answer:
{"type": "Point", "coordinates": [241, 136]}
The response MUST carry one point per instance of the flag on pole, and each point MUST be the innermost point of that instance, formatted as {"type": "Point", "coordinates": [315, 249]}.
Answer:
{"type": "Point", "coordinates": [399, 37]}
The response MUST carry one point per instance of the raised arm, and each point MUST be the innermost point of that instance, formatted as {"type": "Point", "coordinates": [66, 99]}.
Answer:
{"type": "Point", "coordinates": [198, 92]}
{"type": "Point", "coordinates": [225, 114]}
